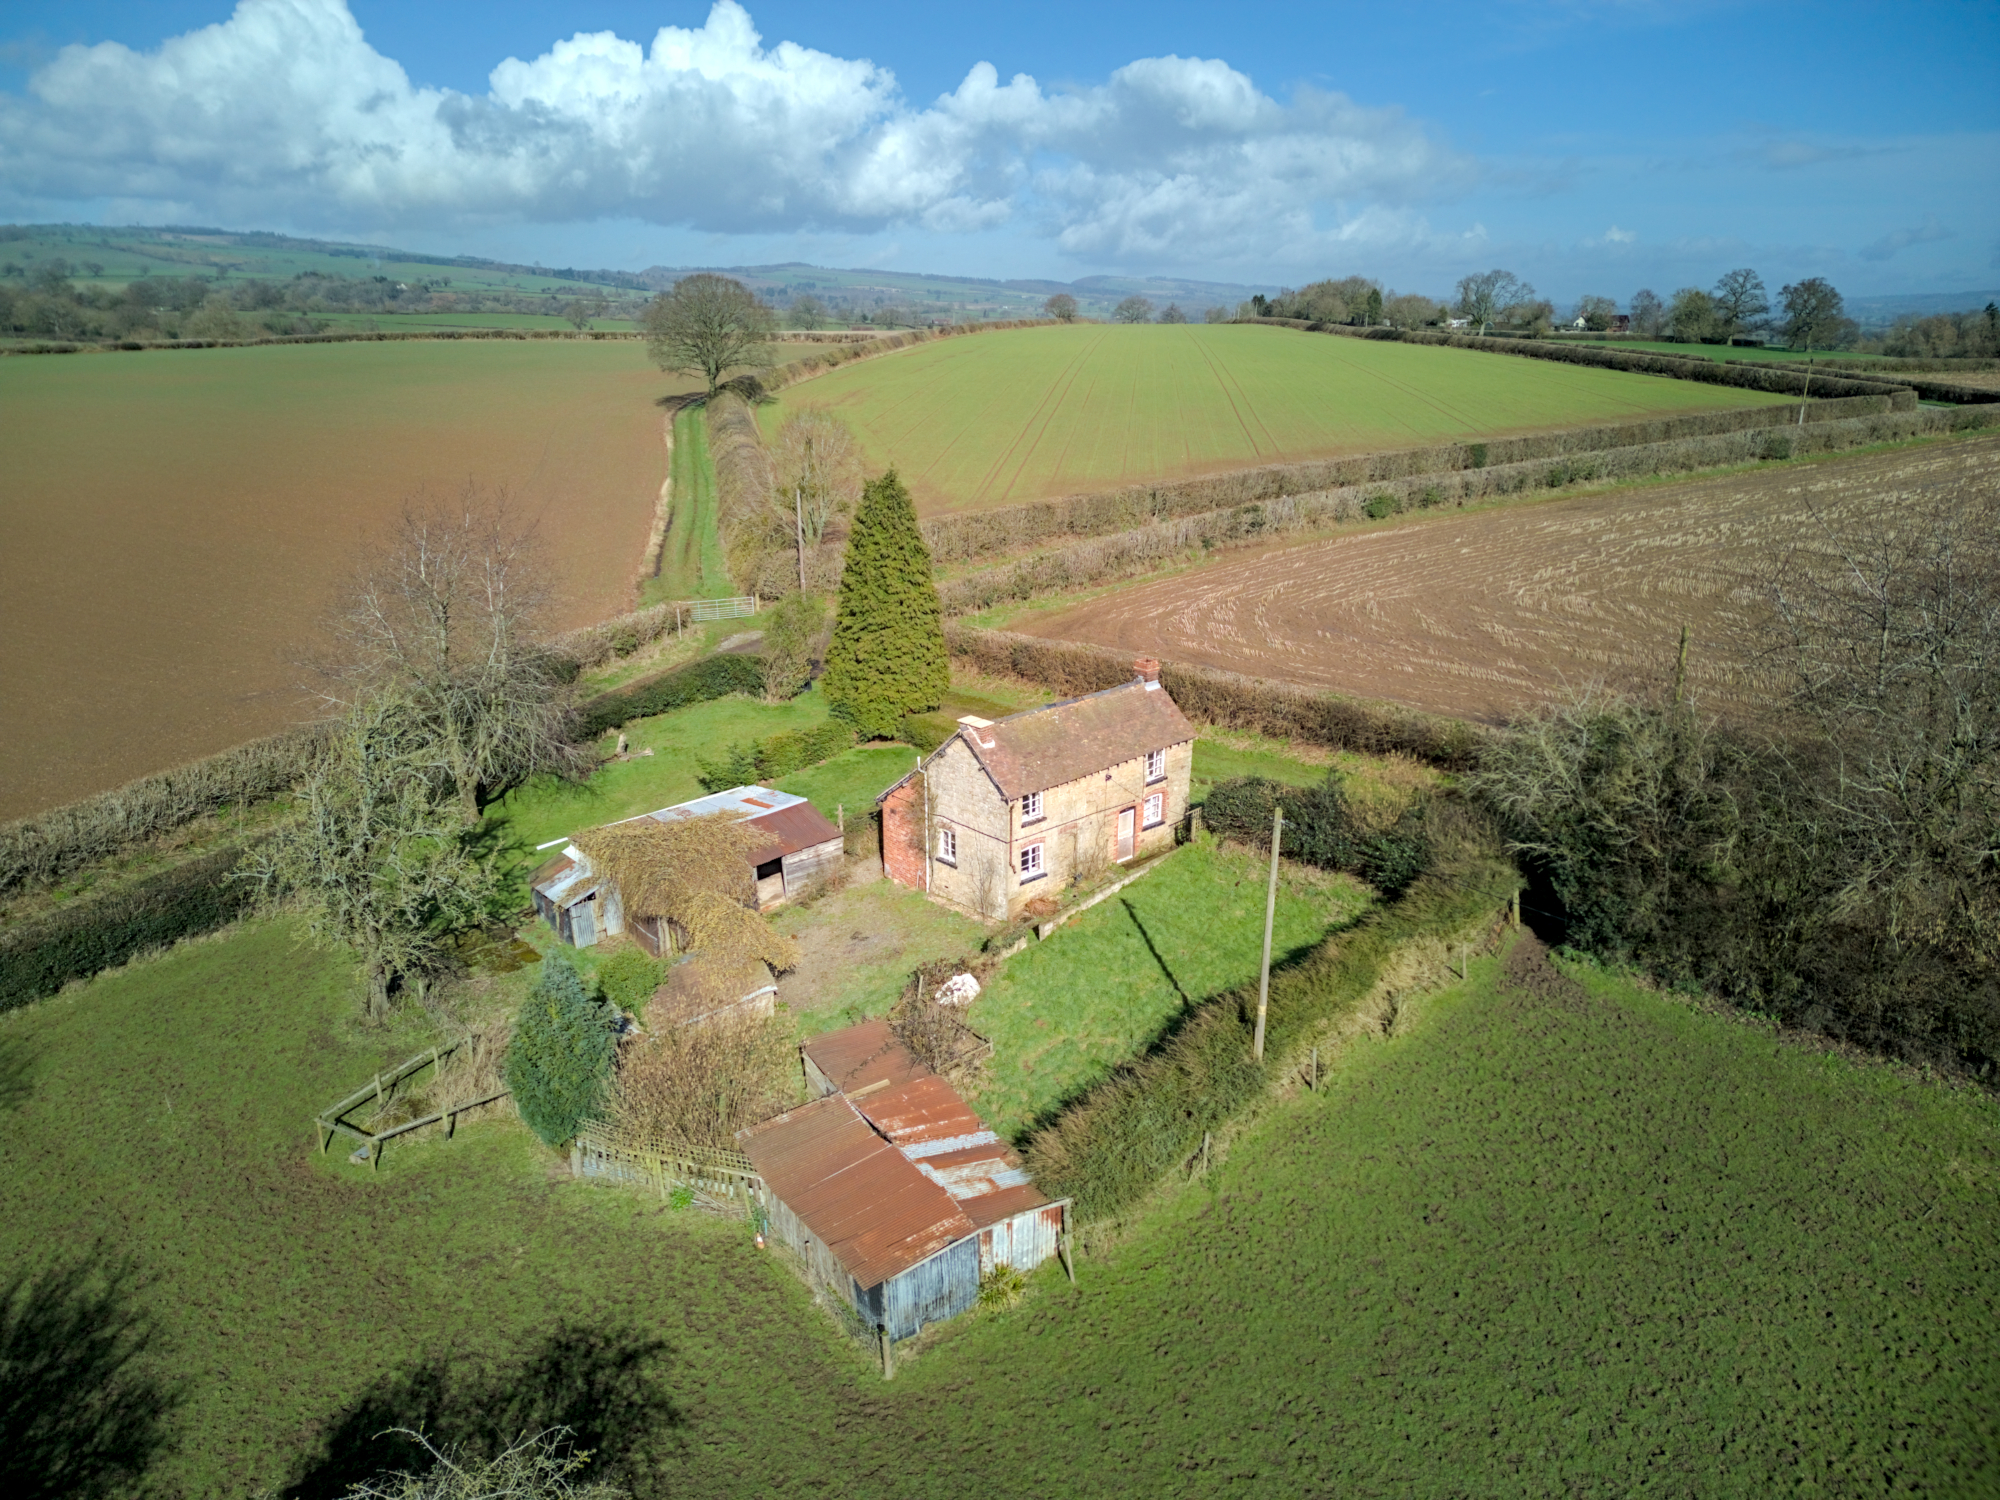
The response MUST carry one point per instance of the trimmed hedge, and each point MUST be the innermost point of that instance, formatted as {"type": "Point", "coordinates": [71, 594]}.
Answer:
{"type": "Point", "coordinates": [1112, 1146]}
{"type": "Point", "coordinates": [92, 934]}
{"type": "Point", "coordinates": [697, 682]}
{"type": "Point", "coordinates": [389, 337]}
{"type": "Point", "coordinates": [1226, 699]}
{"type": "Point", "coordinates": [1147, 546]}
{"type": "Point", "coordinates": [1009, 528]}
{"type": "Point", "coordinates": [794, 371]}
{"type": "Point", "coordinates": [777, 755]}
{"type": "Point", "coordinates": [64, 839]}
{"type": "Point", "coordinates": [1320, 829]}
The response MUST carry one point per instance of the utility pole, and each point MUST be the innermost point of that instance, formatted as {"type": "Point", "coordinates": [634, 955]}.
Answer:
{"type": "Point", "coordinates": [1270, 911]}
{"type": "Point", "coordinates": [799, 517]}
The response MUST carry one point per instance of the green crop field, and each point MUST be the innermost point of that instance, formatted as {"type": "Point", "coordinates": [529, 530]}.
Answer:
{"type": "Point", "coordinates": [180, 520]}
{"type": "Point", "coordinates": [1544, 1240]}
{"type": "Point", "coordinates": [1027, 413]}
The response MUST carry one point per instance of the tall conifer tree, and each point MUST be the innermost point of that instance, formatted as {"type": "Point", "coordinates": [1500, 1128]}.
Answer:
{"type": "Point", "coordinates": [559, 1059]}
{"type": "Point", "coordinates": [887, 657]}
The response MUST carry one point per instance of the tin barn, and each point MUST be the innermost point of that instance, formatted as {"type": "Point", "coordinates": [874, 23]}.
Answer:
{"type": "Point", "coordinates": [802, 846]}
{"type": "Point", "coordinates": [891, 1190]}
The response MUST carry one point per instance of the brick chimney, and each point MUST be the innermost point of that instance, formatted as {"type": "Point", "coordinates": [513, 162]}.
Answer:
{"type": "Point", "coordinates": [1148, 668]}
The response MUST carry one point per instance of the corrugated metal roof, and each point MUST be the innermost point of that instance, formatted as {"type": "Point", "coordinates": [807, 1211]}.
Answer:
{"type": "Point", "coordinates": [1061, 742]}
{"type": "Point", "coordinates": [927, 1120]}
{"type": "Point", "coordinates": [791, 829]}
{"type": "Point", "coordinates": [858, 1056]}
{"type": "Point", "coordinates": [744, 801]}
{"type": "Point", "coordinates": [565, 880]}
{"type": "Point", "coordinates": [863, 1198]}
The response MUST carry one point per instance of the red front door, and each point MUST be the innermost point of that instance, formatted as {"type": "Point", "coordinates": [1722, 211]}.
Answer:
{"type": "Point", "coordinates": [1128, 819]}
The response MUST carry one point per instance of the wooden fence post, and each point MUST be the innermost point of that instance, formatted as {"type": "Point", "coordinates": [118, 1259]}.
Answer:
{"type": "Point", "coordinates": [888, 1351]}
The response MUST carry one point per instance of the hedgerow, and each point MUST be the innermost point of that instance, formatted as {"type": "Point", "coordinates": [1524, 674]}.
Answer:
{"type": "Point", "coordinates": [697, 682]}
{"type": "Point", "coordinates": [776, 755]}
{"type": "Point", "coordinates": [88, 935]}
{"type": "Point", "coordinates": [1112, 1146]}
{"type": "Point", "coordinates": [1225, 699]}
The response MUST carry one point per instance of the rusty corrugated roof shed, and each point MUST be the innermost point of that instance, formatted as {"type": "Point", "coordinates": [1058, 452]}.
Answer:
{"type": "Point", "coordinates": [927, 1120]}
{"type": "Point", "coordinates": [800, 826]}
{"type": "Point", "coordinates": [867, 1202]}
{"type": "Point", "coordinates": [857, 1056]}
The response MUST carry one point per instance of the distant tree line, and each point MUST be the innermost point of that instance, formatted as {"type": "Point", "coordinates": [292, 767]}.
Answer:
{"type": "Point", "coordinates": [43, 301]}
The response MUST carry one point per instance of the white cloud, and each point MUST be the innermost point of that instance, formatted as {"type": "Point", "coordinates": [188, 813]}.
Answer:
{"type": "Point", "coordinates": [284, 112]}
{"type": "Point", "coordinates": [1928, 232]}
{"type": "Point", "coordinates": [1616, 236]}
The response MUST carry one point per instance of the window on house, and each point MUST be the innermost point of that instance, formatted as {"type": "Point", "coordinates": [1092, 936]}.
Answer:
{"type": "Point", "coordinates": [948, 845]}
{"type": "Point", "coordinates": [1031, 808]}
{"type": "Point", "coordinates": [1156, 765]}
{"type": "Point", "coordinates": [1031, 863]}
{"type": "Point", "coordinates": [1156, 809]}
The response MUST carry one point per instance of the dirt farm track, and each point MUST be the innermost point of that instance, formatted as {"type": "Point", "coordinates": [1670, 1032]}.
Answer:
{"type": "Point", "coordinates": [1485, 613]}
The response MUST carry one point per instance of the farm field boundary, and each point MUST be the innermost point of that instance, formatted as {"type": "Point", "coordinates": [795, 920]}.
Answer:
{"type": "Point", "coordinates": [1744, 375]}
{"type": "Point", "coordinates": [1227, 700]}
{"type": "Point", "coordinates": [963, 537]}
{"type": "Point", "coordinates": [847, 351]}
{"type": "Point", "coordinates": [1114, 1146]}
{"type": "Point", "coordinates": [1927, 389]}
{"type": "Point", "coordinates": [1144, 547]}
{"type": "Point", "coordinates": [358, 336]}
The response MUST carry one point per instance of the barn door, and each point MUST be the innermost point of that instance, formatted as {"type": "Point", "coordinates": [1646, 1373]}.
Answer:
{"type": "Point", "coordinates": [1127, 818]}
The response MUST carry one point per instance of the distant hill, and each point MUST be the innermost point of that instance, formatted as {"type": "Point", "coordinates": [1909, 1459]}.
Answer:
{"type": "Point", "coordinates": [104, 254]}
{"type": "Point", "coordinates": [1880, 312]}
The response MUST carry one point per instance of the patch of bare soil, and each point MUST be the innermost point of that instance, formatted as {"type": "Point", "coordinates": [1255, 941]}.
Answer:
{"type": "Point", "coordinates": [1482, 615]}
{"type": "Point", "coordinates": [1528, 972]}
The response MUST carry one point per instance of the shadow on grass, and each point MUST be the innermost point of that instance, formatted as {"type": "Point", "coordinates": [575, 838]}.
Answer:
{"type": "Point", "coordinates": [603, 1384]}
{"type": "Point", "coordinates": [1153, 948]}
{"type": "Point", "coordinates": [79, 1413]}
{"type": "Point", "coordinates": [17, 1074]}
{"type": "Point", "coordinates": [1243, 995]}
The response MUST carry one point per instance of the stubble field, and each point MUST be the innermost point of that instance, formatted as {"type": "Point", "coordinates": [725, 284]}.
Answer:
{"type": "Point", "coordinates": [177, 522]}
{"type": "Point", "coordinates": [1487, 613]}
{"type": "Point", "coordinates": [1025, 414]}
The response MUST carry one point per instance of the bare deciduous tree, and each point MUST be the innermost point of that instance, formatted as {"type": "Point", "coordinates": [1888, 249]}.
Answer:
{"type": "Point", "coordinates": [1484, 296]}
{"type": "Point", "coordinates": [1740, 301]}
{"type": "Point", "coordinates": [1648, 313]}
{"type": "Point", "coordinates": [1134, 309]}
{"type": "Point", "coordinates": [816, 467]}
{"type": "Point", "coordinates": [808, 311]}
{"type": "Point", "coordinates": [447, 615]}
{"type": "Point", "coordinates": [375, 853]}
{"type": "Point", "coordinates": [1061, 307]}
{"type": "Point", "coordinates": [708, 324]}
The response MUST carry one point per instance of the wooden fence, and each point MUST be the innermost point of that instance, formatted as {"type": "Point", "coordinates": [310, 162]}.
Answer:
{"type": "Point", "coordinates": [722, 1180]}
{"type": "Point", "coordinates": [333, 1121]}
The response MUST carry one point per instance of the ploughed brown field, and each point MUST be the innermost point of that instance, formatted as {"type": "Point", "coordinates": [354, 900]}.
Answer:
{"type": "Point", "coordinates": [176, 522]}
{"type": "Point", "coordinates": [1484, 614]}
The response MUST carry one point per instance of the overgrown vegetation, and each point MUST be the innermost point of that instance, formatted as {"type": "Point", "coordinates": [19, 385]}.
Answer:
{"type": "Point", "coordinates": [1322, 829]}
{"type": "Point", "coordinates": [1835, 870]}
{"type": "Point", "coordinates": [696, 1080]}
{"type": "Point", "coordinates": [776, 755]}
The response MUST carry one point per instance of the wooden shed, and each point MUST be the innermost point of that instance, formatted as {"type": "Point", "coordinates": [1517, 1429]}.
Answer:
{"type": "Point", "coordinates": [800, 847]}
{"type": "Point", "coordinates": [891, 1190]}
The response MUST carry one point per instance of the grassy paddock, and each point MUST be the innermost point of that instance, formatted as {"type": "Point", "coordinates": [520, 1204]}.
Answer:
{"type": "Point", "coordinates": [1532, 1243]}
{"type": "Point", "coordinates": [1106, 985]}
{"type": "Point", "coordinates": [1023, 414]}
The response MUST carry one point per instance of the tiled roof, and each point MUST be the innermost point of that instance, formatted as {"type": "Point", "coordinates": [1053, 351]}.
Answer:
{"type": "Point", "coordinates": [1046, 747]}
{"type": "Point", "coordinates": [865, 1200]}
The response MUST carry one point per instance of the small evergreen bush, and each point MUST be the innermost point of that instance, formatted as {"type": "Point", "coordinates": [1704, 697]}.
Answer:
{"type": "Point", "coordinates": [559, 1062]}
{"type": "Point", "coordinates": [628, 979]}
{"type": "Point", "coordinates": [1379, 506]}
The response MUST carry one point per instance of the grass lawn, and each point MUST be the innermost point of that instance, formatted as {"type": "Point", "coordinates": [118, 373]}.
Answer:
{"type": "Point", "coordinates": [691, 563]}
{"type": "Point", "coordinates": [852, 780]}
{"type": "Point", "coordinates": [1105, 985]}
{"type": "Point", "coordinates": [1536, 1243]}
{"type": "Point", "coordinates": [1022, 414]}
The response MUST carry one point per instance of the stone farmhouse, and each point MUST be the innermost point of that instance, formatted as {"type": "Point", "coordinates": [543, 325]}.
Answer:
{"type": "Point", "coordinates": [1011, 809]}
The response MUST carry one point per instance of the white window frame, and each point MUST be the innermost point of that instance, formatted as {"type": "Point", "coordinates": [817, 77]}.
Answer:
{"type": "Point", "coordinates": [1031, 807]}
{"type": "Point", "coordinates": [1156, 810]}
{"type": "Point", "coordinates": [1032, 866]}
{"type": "Point", "coordinates": [1156, 766]}
{"type": "Point", "coordinates": [947, 851]}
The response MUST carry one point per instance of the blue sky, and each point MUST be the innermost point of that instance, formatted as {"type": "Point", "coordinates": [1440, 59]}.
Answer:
{"type": "Point", "coordinates": [1588, 147]}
